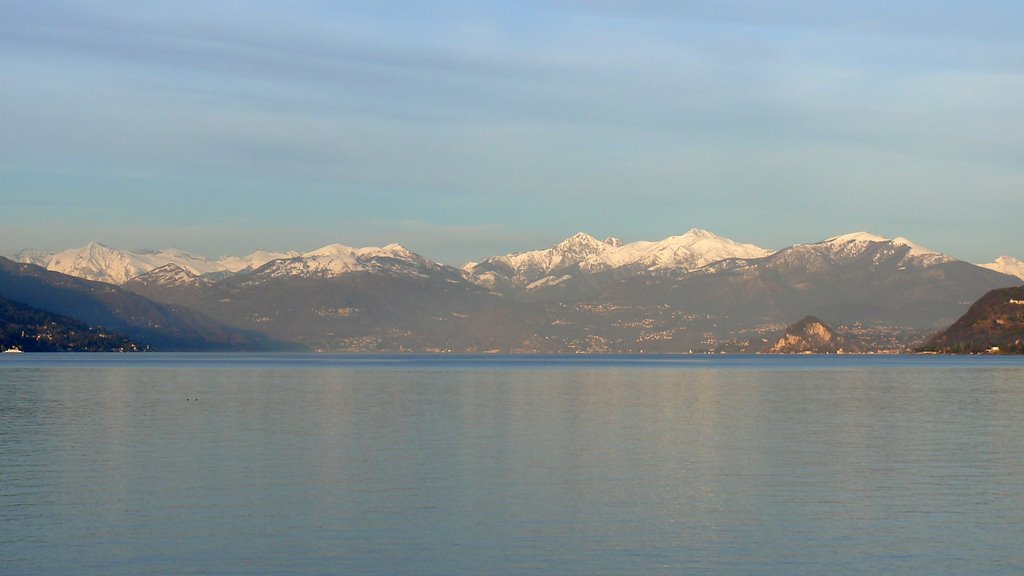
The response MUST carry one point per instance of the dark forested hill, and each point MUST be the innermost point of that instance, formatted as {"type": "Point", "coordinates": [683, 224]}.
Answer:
{"type": "Point", "coordinates": [32, 330]}
{"type": "Point", "coordinates": [995, 323]}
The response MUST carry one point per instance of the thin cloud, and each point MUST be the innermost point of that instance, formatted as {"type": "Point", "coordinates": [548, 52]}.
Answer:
{"type": "Point", "coordinates": [549, 117]}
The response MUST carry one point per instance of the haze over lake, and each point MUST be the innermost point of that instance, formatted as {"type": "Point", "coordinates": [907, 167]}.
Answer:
{"type": "Point", "coordinates": [269, 464]}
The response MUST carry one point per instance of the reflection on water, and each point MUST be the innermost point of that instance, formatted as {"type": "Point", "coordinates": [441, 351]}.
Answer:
{"type": "Point", "coordinates": [412, 465]}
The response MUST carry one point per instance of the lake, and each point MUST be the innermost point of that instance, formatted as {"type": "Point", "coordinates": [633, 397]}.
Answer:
{"type": "Point", "coordinates": [448, 465]}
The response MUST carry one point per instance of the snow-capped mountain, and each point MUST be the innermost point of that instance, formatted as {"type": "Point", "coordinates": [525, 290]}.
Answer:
{"type": "Point", "coordinates": [235, 264]}
{"type": "Point", "coordinates": [692, 291]}
{"type": "Point", "coordinates": [95, 261]}
{"type": "Point", "coordinates": [898, 253]}
{"type": "Point", "coordinates": [692, 250]}
{"type": "Point", "coordinates": [37, 257]}
{"type": "Point", "coordinates": [326, 262]}
{"type": "Point", "coordinates": [582, 253]}
{"type": "Point", "coordinates": [353, 299]}
{"type": "Point", "coordinates": [1007, 265]}
{"type": "Point", "coordinates": [521, 269]}
{"type": "Point", "coordinates": [337, 259]}
{"type": "Point", "coordinates": [115, 308]}
{"type": "Point", "coordinates": [580, 266]}
{"type": "Point", "coordinates": [858, 277]}
{"type": "Point", "coordinates": [168, 275]}
{"type": "Point", "coordinates": [852, 245]}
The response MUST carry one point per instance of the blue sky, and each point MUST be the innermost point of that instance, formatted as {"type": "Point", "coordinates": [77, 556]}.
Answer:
{"type": "Point", "coordinates": [466, 129]}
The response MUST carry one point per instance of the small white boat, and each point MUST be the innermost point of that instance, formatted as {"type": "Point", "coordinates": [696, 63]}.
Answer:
{"type": "Point", "coordinates": [12, 351]}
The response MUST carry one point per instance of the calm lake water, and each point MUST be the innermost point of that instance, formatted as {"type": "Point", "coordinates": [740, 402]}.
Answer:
{"type": "Point", "coordinates": [235, 464]}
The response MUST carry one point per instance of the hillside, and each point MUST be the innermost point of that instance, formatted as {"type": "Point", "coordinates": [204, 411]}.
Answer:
{"type": "Point", "coordinates": [32, 330]}
{"type": "Point", "coordinates": [161, 326]}
{"type": "Point", "coordinates": [995, 323]}
{"type": "Point", "coordinates": [809, 336]}
{"type": "Point", "coordinates": [334, 301]}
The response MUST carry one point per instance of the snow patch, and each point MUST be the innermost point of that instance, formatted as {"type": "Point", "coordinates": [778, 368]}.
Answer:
{"type": "Point", "coordinates": [855, 237]}
{"type": "Point", "coordinates": [1007, 265]}
{"type": "Point", "coordinates": [548, 281]}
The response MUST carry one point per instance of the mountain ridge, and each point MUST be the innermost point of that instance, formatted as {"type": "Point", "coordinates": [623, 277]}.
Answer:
{"type": "Point", "coordinates": [580, 253]}
{"type": "Point", "coordinates": [696, 291]}
{"type": "Point", "coordinates": [160, 325]}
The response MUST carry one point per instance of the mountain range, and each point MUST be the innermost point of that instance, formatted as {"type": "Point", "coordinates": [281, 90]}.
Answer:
{"type": "Point", "coordinates": [695, 291]}
{"type": "Point", "coordinates": [100, 305]}
{"type": "Point", "coordinates": [546, 273]}
{"type": "Point", "coordinates": [94, 261]}
{"type": "Point", "coordinates": [519, 271]}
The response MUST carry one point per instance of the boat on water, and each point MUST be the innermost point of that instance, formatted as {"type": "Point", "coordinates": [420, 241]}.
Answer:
{"type": "Point", "coordinates": [13, 351]}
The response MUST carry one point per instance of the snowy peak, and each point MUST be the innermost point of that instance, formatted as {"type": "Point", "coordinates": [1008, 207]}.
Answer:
{"type": "Point", "coordinates": [917, 250]}
{"type": "Point", "coordinates": [845, 246]}
{"type": "Point", "coordinates": [579, 241]}
{"type": "Point", "coordinates": [861, 238]}
{"type": "Point", "coordinates": [855, 237]}
{"type": "Point", "coordinates": [331, 250]}
{"type": "Point", "coordinates": [336, 259]}
{"type": "Point", "coordinates": [525, 268]}
{"type": "Point", "coordinates": [856, 244]}
{"type": "Point", "coordinates": [701, 233]}
{"type": "Point", "coordinates": [689, 251]}
{"type": "Point", "coordinates": [574, 250]}
{"type": "Point", "coordinates": [562, 262]}
{"type": "Point", "coordinates": [394, 251]}
{"type": "Point", "coordinates": [1007, 265]}
{"type": "Point", "coordinates": [95, 261]}
{"type": "Point", "coordinates": [37, 257]}
{"type": "Point", "coordinates": [235, 264]}
{"type": "Point", "coordinates": [310, 266]}
{"type": "Point", "coordinates": [168, 275]}
{"type": "Point", "coordinates": [697, 248]}
{"type": "Point", "coordinates": [342, 251]}
{"type": "Point", "coordinates": [584, 253]}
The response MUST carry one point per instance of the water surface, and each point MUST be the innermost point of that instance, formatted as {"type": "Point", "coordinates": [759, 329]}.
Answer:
{"type": "Point", "coordinates": [272, 464]}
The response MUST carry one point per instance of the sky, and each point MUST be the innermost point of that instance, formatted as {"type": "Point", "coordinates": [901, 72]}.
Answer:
{"type": "Point", "coordinates": [468, 129]}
